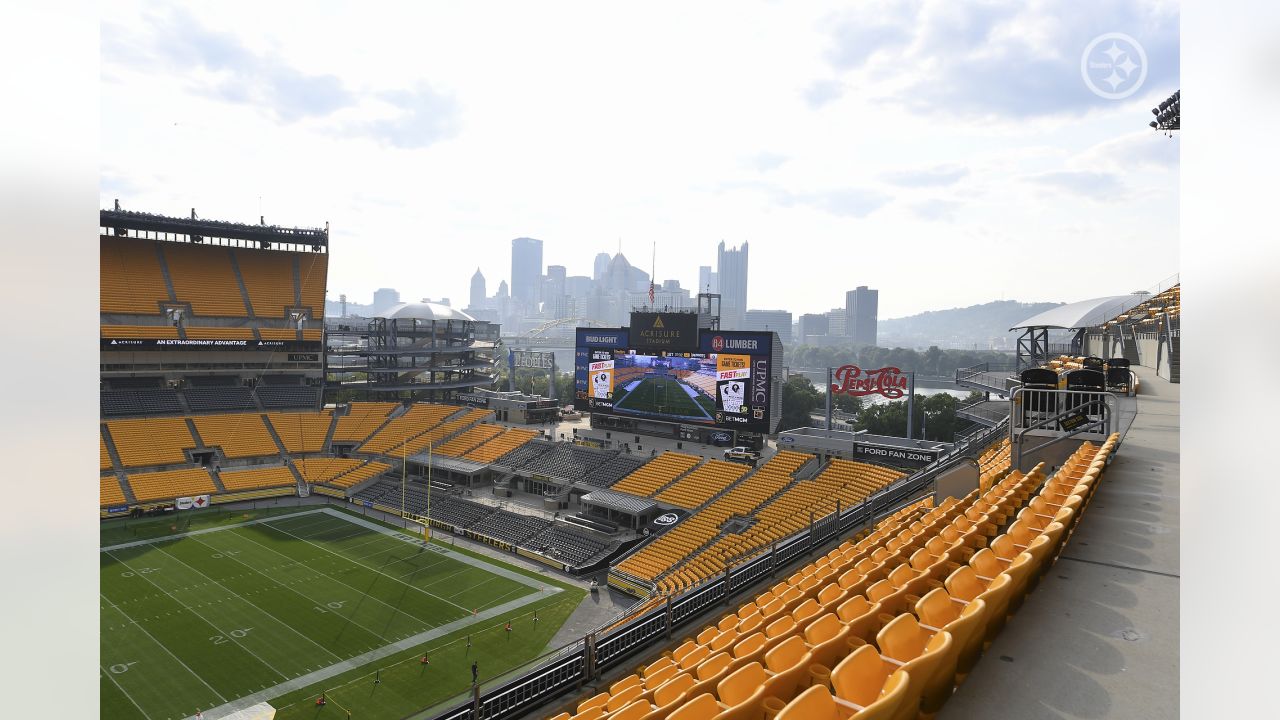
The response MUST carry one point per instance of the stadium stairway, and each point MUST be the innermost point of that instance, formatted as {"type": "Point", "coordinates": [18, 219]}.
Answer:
{"type": "Point", "coordinates": [111, 448]}
{"type": "Point", "coordinates": [124, 486]}
{"type": "Point", "coordinates": [195, 434]}
{"type": "Point", "coordinates": [164, 271]}
{"type": "Point", "coordinates": [182, 397]}
{"type": "Point", "coordinates": [244, 291]}
{"type": "Point", "coordinates": [328, 436]}
{"type": "Point", "coordinates": [831, 624]}
{"type": "Point", "coordinates": [1100, 638]}
{"type": "Point", "coordinates": [275, 436]}
{"type": "Point", "coordinates": [217, 480]}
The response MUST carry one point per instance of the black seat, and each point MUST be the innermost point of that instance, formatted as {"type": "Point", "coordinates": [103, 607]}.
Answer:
{"type": "Point", "coordinates": [1036, 403]}
{"type": "Point", "coordinates": [1092, 363]}
{"type": "Point", "coordinates": [1089, 381]}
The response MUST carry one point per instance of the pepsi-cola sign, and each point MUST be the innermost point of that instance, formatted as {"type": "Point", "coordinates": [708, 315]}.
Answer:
{"type": "Point", "coordinates": [853, 380]}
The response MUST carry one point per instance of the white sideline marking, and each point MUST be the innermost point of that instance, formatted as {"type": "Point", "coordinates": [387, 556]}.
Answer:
{"type": "Point", "coordinates": [204, 619]}
{"type": "Point", "coordinates": [124, 692]}
{"type": "Point", "coordinates": [353, 560]}
{"type": "Point", "coordinates": [228, 709]}
{"type": "Point", "coordinates": [264, 611]}
{"type": "Point", "coordinates": [162, 645]}
{"type": "Point", "coordinates": [202, 531]}
{"type": "Point", "coordinates": [362, 593]}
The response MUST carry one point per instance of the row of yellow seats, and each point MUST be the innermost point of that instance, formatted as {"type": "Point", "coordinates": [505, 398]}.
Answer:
{"type": "Point", "coordinates": [929, 646]}
{"type": "Point", "coordinates": [651, 476]}
{"type": "Point", "coordinates": [501, 445]}
{"type": "Point", "coordinates": [676, 545]}
{"type": "Point", "coordinates": [698, 486]}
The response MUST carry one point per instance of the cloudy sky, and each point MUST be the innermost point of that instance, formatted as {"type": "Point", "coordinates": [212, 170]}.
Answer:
{"type": "Point", "coordinates": [941, 151]}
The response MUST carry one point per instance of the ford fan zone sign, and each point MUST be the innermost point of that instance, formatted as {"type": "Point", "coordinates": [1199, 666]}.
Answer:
{"type": "Point", "coordinates": [853, 380]}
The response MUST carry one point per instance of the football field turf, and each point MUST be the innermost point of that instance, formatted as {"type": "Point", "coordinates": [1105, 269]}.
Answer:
{"type": "Point", "coordinates": [658, 395]}
{"type": "Point", "coordinates": [279, 608]}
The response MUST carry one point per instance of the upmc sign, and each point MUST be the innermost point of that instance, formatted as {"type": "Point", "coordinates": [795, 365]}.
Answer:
{"type": "Point", "coordinates": [853, 380]}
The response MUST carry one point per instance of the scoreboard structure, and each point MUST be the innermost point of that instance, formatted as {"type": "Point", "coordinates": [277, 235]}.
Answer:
{"type": "Point", "coordinates": [665, 368]}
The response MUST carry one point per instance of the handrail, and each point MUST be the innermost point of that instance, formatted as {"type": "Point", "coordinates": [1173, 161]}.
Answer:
{"type": "Point", "coordinates": [580, 660]}
{"type": "Point", "coordinates": [1019, 430]}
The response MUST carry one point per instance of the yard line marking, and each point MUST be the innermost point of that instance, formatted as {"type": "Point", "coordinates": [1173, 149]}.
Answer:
{"type": "Point", "coordinates": [228, 709]}
{"type": "Point", "coordinates": [324, 574]}
{"type": "Point", "coordinates": [255, 605]}
{"type": "Point", "coordinates": [353, 560]}
{"type": "Point", "coordinates": [450, 575]}
{"type": "Point", "coordinates": [203, 531]}
{"type": "Point", "coordinates": [123, 691]}
{"type": "Point", "coordinates": [162, 645]}
{"type": "Point", "coordinates": [205, 619]}
{"type": "Point", "coordinates": [453, 554]}
{"type": "Point", "coordinates": [428, 567]}
{"type": "Point", "coordinates": [511, 591]}
{"type": "Point", "coordinates": [473, 587]}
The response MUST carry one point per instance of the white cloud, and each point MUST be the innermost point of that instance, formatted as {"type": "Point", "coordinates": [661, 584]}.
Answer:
{"type": "Point", "coordinates": [432, 137]}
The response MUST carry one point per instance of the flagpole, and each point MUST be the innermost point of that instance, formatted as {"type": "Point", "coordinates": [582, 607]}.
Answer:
{"type": "Point", "coordinates": [426, 529]}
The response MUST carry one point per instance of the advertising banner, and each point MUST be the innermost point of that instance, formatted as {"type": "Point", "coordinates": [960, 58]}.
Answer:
{"type": "Point", "coordinates": [672, 332]}
{"type": "Point", "coordinates": [196, 501]}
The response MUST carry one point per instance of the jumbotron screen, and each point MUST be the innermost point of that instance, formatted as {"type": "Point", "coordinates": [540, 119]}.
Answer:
{"type": "Point", "coordinates": [728, 384]}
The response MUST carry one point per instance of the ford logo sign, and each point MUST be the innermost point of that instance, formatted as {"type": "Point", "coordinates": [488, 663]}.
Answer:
{"type": "Point", "coordinates": [788, 439]}
{"type": "Point", "coordinates": [666, 519]}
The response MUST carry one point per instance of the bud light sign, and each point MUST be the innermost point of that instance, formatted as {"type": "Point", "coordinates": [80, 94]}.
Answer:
{"type": "Point", "coordinates": [853, 380]}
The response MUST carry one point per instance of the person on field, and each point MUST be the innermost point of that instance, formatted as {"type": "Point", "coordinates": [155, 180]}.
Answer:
{"type": "Point", "coordinates": [475, 672]}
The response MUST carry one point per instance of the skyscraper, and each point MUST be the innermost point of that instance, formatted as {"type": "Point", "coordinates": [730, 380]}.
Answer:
{"type": "Point", "coordinates": [731, 266]}
{"type": "Point", "coordinates": [601, 266]}
{"type": "Point", "coordinates": [778, 321]}
{"type": "Point", "coordinates": [708, 281]}
{"type": "Point", "coordinates": [526, 270]}
{"type": "Point", "coordinates": [478, 295]}
{"type": "Point", "coordinates": [861, 308]}
{"type": "Point", "coordinates": [812, 325]}
{"type": "Point", "coordinates": [384, 298]}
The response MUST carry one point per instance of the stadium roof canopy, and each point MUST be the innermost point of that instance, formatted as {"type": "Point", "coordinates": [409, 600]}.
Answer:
{"type": "Point", "coordinates": [1083, 314]}
{"type": "Point", "coordinates": [425, 311]}
{"type": "Point", "coordinates": [621, 502]}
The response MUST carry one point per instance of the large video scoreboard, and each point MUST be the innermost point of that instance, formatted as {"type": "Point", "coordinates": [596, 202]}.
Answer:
{"type": "Point", "coordinates": [700, 377]}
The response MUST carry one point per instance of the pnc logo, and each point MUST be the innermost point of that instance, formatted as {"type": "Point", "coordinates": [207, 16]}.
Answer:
{"type": "Point", "coordinates": [717, 343]}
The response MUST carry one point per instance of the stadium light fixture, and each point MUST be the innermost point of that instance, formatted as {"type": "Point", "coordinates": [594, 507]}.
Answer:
{"type": "Point", "coordinates": [1168, 114]}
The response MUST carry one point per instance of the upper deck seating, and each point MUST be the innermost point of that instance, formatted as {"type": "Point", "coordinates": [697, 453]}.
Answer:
{"type": "Point", "coordinates": [268, 278]}
{"type": "Point", "coordinates": [656, 473]}
{"type": "Point", "coordinates": [202, 276]}
{"type": "Point", "coordinates": [239, 435]}
{"type": "Point", "coordinates": [171, 484]}
{"type": "Point", "coordinates": [151, 441]}
{"type": "Point", "coordinates": [129, 276]}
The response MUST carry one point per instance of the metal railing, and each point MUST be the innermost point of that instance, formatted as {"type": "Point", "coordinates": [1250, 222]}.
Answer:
{"type": "Point", "coordinates": [599, 652]}
{"type": "Point", "coordinates": [1058, 415]}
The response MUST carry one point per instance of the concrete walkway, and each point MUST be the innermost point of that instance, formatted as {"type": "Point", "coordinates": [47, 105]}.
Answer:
{"type": "Point", "coordinates": [1099, 636]}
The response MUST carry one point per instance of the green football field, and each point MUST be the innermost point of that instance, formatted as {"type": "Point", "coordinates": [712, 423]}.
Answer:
{"type": "Point", "coordinates": [285, 606]}
{"type": "Point", "coordinates": [665, 396]}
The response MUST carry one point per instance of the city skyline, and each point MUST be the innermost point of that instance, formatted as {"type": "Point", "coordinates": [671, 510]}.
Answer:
{"type": "Point", "coordinates": [823, 149]}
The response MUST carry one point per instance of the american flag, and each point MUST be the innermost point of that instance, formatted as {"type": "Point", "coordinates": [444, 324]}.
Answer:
{"type": "Point", "coordinates": [650, 292]}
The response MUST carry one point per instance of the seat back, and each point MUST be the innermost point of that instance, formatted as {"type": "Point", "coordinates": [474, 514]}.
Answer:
{"type": "Point", "coordinates": [812, 704]}
{"type": "Point", "coordinates": [921, 668]}
{"type": "Point", "coordinates": [902, 638]}
{"type": "Point", "coordinates": [860, 676]}
{"type": "Point", "coordinates": [634, 711]}
{"type": "Point", "coordinates": [738, 686]}
{"type": "Point", "coordinates": [701, 707]}
{"type": "Point", "coordinates": [936, 608]}
{"type": "Point", "coordinates": [672, 690]}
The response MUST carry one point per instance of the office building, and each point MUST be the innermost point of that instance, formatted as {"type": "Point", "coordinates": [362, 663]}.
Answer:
{"type": "Point", "coordinates": [731, 267]}
{"type": "Point", "coordinates": [778, 321]}
{"type": "Point", "coordinates": [526, 271]}
{"type": "Point", "coordinates": [861, 308]}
